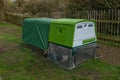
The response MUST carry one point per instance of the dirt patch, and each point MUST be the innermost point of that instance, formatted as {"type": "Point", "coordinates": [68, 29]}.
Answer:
{"type": "Point", "coordinates": [1, 50]}
{"type": "Point", "coordinates": [1, 78]}
{"type": "Point", "coordinates": [94, 75]}
{"type": "Point", "coordinates": [7, 46]}
{"type": "Point", "coordinates": [110, 54]}
{"type": "Point", "coordinates": [2, 30]}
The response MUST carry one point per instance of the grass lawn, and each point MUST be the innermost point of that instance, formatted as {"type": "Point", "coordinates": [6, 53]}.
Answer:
{"type": "Point", "coordinates": [20, 63]}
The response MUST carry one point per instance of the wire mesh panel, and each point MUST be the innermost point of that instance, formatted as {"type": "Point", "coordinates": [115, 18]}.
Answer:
{"type": "Point", "coordinates": [61, 55]}
{"type": "Point", "coordinates": [70, 57]}
{"type": "Point", "coordinates": [84, 53]}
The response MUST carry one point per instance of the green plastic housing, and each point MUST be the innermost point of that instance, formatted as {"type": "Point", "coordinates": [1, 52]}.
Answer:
{"type": "Point", "coordinates": [62, 32]}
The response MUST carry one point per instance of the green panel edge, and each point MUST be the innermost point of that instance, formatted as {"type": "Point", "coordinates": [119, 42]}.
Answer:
{"type": "Point", "coordinates": [89, 40]}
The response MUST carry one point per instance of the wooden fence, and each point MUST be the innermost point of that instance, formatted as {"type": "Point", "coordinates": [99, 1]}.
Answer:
{"type": "Point", "coordinates": [107, 22]}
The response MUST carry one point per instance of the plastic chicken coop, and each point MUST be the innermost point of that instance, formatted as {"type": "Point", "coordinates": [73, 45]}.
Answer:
{"type": "Point", "coordinates": [68, 42]}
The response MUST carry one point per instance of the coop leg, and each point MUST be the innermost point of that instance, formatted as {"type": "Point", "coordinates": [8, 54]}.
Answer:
{"type": "Point", "coordinates": [45, 53]}
{"type": "Point", "coordinates": [95, 56]}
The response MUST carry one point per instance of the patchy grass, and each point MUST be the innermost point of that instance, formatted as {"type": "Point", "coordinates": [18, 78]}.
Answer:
{"type": "Point", "coordinates": [110, 40]}
{"type": "Point", "coordinates": [20, 63]}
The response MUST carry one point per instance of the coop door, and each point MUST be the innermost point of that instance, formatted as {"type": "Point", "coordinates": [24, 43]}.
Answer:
{"type": "Point", "coordinates": [83, 31]}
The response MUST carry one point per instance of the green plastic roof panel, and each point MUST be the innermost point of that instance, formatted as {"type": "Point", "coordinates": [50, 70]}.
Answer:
{"type": "Point", "coordinates": [69, 21]}
{"type": "Point", "coordinates": [36, 32]}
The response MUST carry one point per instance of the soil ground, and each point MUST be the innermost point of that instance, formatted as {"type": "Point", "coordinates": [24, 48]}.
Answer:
{"type": "Point", "coordinates": [110, 54]}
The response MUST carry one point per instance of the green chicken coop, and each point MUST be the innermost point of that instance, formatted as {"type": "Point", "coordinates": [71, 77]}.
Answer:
{"type": "Point", "coordinates": [67, 42]}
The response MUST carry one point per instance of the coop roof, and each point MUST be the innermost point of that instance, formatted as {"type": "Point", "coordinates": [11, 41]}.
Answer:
{"type": "Point", "coordinates": [69, 21]}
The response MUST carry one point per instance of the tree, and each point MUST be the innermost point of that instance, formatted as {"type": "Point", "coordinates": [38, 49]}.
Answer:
{"type": "Point", "coordinates": [2, 5]}
{"type": "Point", "coordinates": [2, 9]}
{"type": "Point", "coordinates": [20, 3]}
{"type": "Point", "coordinates": [38, 6]}
{"type": "Point", "coordinates": [97, 4]}
{"type": "Point", "coordinates": [113, 4]}
{"type": "Point", "coordinates": [94, 4]}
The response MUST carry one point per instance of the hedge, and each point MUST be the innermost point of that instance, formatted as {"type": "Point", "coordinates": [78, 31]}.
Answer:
{"type": "Point", "coordinates": [15, 18]}
{"type": "Point", "coordinates": [2, 16]}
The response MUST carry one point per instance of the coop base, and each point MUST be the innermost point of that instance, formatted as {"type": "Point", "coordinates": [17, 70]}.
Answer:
{"type": "Point", "coordinates": [70, 57]}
